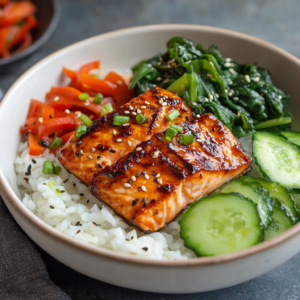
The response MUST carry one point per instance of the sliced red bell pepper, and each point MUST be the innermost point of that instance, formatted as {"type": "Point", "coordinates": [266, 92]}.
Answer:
{"type": "Point", "coordinates": [33, 108]}
{"type": "Point", "coordinates": [45, 111]}
{"type": "Point", "coordinates": [89, 66]}
{"type": "Point", "coordinates": [67, 136]}
{"type": "Point", "coordinates": [30, 125]}
{"type": "Point", "coordinates": [34, 147]}
{"type": "Point", "coordinates": [53, 125]}
{"type": "Point", "coordinates": [69, 73]}
{"type": "Point", "coordinates": [14, 12]}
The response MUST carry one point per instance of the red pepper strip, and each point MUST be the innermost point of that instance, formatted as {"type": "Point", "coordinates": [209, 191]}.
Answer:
{"type": "Point", "coordinates": [33, 108]}
{"type": "Point", "coordinates": [3, 38]}
{"type": "Point", "coordinates": [31, 125]}
{"type": "Point", "coordinates": [14, 12]}
{"type": "Point", "coordinates": [63, 114]}
{"type": "Point", "coordinates": [20, 36]}
{"type": "Point", "coordinates": [89, 66]}
{"type": "Point", "coordinates": [3, 2]}
{"type": "Point", "coordinates": [34, 148]}
{"type": "Point", "coordinates": [45, 111]}
{"type": "Point", "coordinates": [101, 86]}
{"type": "Point", "coordinates": [53, 125]}
{"type": "Point", "coordinates": [68, 97]}
{"type": "Point", "coordinates": [123, 94]}
{"type": "Point", "coordinates": [67, 136]}
{"type": "Point", "coordinates": [69, 73]}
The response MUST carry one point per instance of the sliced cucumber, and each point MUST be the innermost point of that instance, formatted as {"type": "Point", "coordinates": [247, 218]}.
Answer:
{"type": "Point", "coordinates": [282, 220]}
{"type": "Point", "coordinates": [296, 198]}
{"type": "Point", "coordinates": [277, 158]}
{"type": "Point", "coordinates": [293, 137]}
{"type": "Point", "coordinates": [256, 193]}
{"type": "Point", "coordinates": [278, 192]}
{"type": "Point", "coordinates": [221, 223]}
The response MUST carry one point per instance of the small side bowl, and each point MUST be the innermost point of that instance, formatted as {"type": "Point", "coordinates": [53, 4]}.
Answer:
{"type": "Point", "coordinates": [48, 14]}
{"type": "Point", "coordinates": [120, 50]}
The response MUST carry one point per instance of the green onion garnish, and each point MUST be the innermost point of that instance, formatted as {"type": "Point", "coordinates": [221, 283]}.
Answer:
{"type": "Point", "coordinates": [80, 130]}
{"type": "Point", "coordinates": [55, 143]}
{"type": "Point", "coordinates": [140, 119]}
{"type": "Point", "coordinates": [173, 115]}
{"type": "Point", "coordinates": [85, 120]}
{"type": "Point", "coordinates": [170, 133]}
{"type": "Point", "coordinates": [177, 127]}
{"type": "Point", "coordinates": [83, 96]}
{"type": "Point", "coordinates": [98, 98]}
{"type": "Point", "coordinates": [56, 170]}
{"type": "Point", "coordinates": [186, 139]}
{"type": "Point", "coordinates": [108, 108]}
{"type": "Point", "coordinates": [48, 167]}
{"type": "Point", "coordinates": [119, 120]}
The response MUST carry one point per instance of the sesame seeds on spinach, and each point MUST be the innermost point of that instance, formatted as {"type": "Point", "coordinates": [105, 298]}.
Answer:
{"type": "Point", "coordinates": [241, 96]}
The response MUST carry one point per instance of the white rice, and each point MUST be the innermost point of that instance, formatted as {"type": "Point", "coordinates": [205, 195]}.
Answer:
{"type": "Point", "coordinates": [79, 215]}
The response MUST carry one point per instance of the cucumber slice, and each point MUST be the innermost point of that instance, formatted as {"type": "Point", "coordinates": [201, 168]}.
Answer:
{"type": "Point", "coordinates": [282, 221]}
{"type": "Point", "coordinates": [278, 192]}
{"type": "Point", "coordinates": [296, 198]}
{"type": "Point", "coordinates": [221, 223]}
{"type": "Point", "coordinates": [253, 191]}
{"type": "Point", "coordinates": [293, 137]}
{"type": "Point", "coordinates": [277, 158]}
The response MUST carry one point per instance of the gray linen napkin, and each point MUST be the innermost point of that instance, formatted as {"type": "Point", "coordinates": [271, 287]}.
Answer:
{"type": "Point", "coordinates": [23, 274]}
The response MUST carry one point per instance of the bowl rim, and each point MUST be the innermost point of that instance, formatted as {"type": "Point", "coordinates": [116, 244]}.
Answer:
{"type": "Point", "coordinates": [8, 194]}
{"type": "Point", "coordinates": [39, 42]}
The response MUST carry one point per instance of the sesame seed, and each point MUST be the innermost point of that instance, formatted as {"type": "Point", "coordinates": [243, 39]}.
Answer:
{"type": "Point", "coordinates": [232, 91]}
{"type": "Point", "coordinates": [230, 94]}
{"type": "Point", "coordinates": [194, 103]}
{"type": "Point", "coordinates": [130, 107]}
{"type": "Point", "coordinates": [198, 140]}
{"type": "Point", "coordinates": [226, 91]}
{"type": "Point", "coordinates": [210, 96]}
{"type": "Point", "coordinates": [143, 107]}
{"type": "Point", "coordinates": [124, 125]}
{"type": "Point", "coordinates": [280, 97]}
{"type": "Point", "coordinates": [235, 98]}
{"type": "Point", "coordinates": [217, 95]}
{"type": "Point", "coordinates": [232, 71]}
{"type": "Point", "coordinates": [129, 143]}
{"type": "Point", "coordinates": [238, 114]}
{"type": "Point", "coordinates": [258, 74]}
{"type": "Point", "coordinates": [159, 181]}
{"type": "Point", "coordinates": [160, 101]}
{"type": "Point", "coordinates": [86, 103]}
{"type": "Point", "coordinates": [133, 178]}
{"type": "Point", "coordinates": [138, 174]}
{"type": "Point", "coordinates": [198, 116]}
{"type": "Point", "coordinates": [158, 78]}
{"type": "Point", "coordinates": [228, 59]}
{"type": "Point", "coordinates": [155, 155]}
{"type": "Point", "coordinates": [227, 64]}
{"type": "Point", "coordinates": [93, 149]}
{"type": "Point", "coordinates": [56, 98]}
{"type": "Point", "coordinates": [119, 140]}
{"type": "Point", "coordinates": [127, 185]}
{"type": "Point", "coordinates": [256, 79]}
{"type": "Point", "coordinates": [41, 120]}
{"type": "Point", "coordinates": [144, 188]}
{"type": "Point", "coordinates": [157, 175]}
{"type": "Point", "coordinates": [247, 78]}
{"type": "Point", "coordinates": [114, 131]}
{"type": "Point", "coordinates": [138, 111]}
{"type": "Point", "coordinates": [100, 166]}
{"type": "Point", "coordinates": [52, 207]}
{"type": "Point", "coordinates": [134, 113]}
{"type": "Point", "coordinates": [138, 149]}
{"type": "Point", "coordinates": [90, 156]}
{"type": "Point", "coordinates": [119, 82]}
{"type": "Point", "coordinates": [127, 112]}
{"type": "Point", "coordinates": [81, 152]}
{"type": "Point", "coordinates": [149, 65]}
{"type": "Point", "coordinates": [146, 176]}
{"type": "Point", "coordinates": [164, 104]}
{"type": "Point", "coordinates": [147, 102]}
{"type": "Point", "coordinates": [67, 111]}
{"type": "Point", "coordinates": [78, 113]}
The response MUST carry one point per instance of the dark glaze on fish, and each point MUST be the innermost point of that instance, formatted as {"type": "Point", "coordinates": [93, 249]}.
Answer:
{"type": "Point", "coordinates": [104, 143]}
{"type": "Point", "coordinates": [186, 172]}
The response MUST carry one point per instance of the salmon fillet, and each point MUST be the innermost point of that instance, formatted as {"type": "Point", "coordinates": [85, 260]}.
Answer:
{"type": "Point", "coordinates": [104, 143]}
{"type": "Point", "coordinates": [150, 186]}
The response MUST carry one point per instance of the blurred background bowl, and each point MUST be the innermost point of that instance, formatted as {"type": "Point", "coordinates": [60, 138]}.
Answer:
{"type": "Point", "coordinates": [48, 13]}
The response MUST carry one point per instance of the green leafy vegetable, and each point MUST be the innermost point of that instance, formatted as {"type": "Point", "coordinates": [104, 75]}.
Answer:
{"type": "Point", "coordinates": [242, 96]}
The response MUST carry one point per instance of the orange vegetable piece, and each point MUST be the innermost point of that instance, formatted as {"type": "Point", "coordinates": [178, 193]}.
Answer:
{"type": "Point", "coordinates": [34, 148]}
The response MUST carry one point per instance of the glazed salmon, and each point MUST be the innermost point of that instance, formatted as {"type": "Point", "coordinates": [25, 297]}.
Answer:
{"type": "Point", "coordinates": [104, 143]}
{"type": "Point", "coordinates": [150, 186]}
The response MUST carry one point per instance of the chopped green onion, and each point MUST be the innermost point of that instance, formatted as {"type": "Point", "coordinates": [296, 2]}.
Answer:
{"type": "Point", "coordinates": [55, 143]}
{"type": "Point", "coordinates": [119, 120]}
{"type": "Point", "coordinates": [80, 130]}
{"type": "Point", "coordinates": [108, 108]}
{"type": "Point", "coordinates": [51, 184]}
{"type": "Point", "coordinates": [85, 120]}
{"type": "Point", "coordinates": [83, 96]}
{"type": "Point", "coordinates": [177, 127]}
{"type": "Point", "coordinates": [173, 115]}
{"type": "Point", "coordinates": [58, 193]}
{"type": "Point", "coordinates": [186, 139]}
{"type": "Point", "coordinates": [140, 119]}
{"type": "Point", "coordinates": [273, 122]}
{"type": "Point", "coordinates": [170, 133]}
{"type": "Point", "coordinates": [48, 167]}
{"type": "Point", "coordinates": [57, 170]}
{"type": "Point", "coordinates": [98, 98]}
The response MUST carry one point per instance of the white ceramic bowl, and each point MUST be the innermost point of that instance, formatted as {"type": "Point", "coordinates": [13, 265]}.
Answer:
{"type": "Point", "coordinates": [120, 50]}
